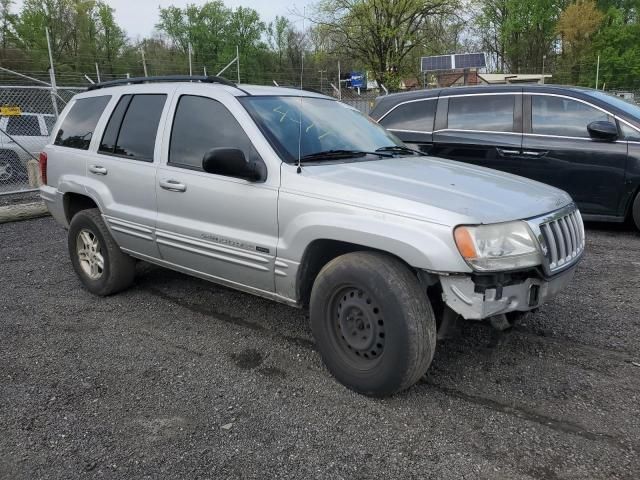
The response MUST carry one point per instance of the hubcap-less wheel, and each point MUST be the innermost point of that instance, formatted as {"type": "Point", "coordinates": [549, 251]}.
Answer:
{"type": "Point", "coordinates": [90, 254]}
{"type": "Point", "coordinates": [6, 171]}
{"type": "Point", "coordinates": [358, 326]}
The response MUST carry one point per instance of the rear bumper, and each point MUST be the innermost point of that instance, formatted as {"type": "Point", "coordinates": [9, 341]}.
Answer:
{"type": "Point", "coordinates": [54, 202]}
{"type": "Point", "coordinates": [463, 296]}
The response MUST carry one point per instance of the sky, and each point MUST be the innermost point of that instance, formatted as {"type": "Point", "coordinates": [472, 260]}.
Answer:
{"type": "Point", "coordinates": [138, 17]}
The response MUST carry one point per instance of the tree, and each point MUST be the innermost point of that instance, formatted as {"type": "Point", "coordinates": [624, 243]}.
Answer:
{"type": "Point", "coordinates": [518, 32]}
{"type": "Point", "coordinates": [278, 33]}
{"type": "Point", "coordinates": [577, 23]}
{"type": "Point", "coordinates": [380, 33]}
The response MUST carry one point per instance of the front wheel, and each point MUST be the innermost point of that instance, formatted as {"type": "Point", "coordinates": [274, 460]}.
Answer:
{"type": "Point", "coordinates": [373, 323]}
{"type": "Point", "coordinates": [96, 258]}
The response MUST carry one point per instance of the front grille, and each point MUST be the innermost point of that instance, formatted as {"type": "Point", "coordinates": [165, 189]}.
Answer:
{"type": "Point", "coordinates": [563, 240]}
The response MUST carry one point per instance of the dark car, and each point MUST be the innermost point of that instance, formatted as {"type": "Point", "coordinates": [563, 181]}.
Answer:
{"type": "Point", "coordinates": [583, 141]}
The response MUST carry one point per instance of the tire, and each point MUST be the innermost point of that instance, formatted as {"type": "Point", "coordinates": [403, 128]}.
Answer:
{"type": "Point", "coordinates": [635, 211]}
{"type": "Point", "coordinates": [373, 323]}
{"type": "Point", "coordinates": [96, 258]}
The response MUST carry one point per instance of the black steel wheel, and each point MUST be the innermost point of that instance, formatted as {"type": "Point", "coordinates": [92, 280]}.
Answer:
{"type": "Point", "coordinates": [372, 322]}
{"type": "Point", "coordinates": [359, 326]}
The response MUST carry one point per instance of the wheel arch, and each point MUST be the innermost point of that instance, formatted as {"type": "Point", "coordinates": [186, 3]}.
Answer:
{"type": "Point", "coordinates": [319, 253]}
{"type": "Point", "coordinates": [76, 202]}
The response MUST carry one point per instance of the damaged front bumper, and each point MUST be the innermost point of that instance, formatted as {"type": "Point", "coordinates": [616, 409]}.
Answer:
{"type": "Point", "coordinates": [477, 297]}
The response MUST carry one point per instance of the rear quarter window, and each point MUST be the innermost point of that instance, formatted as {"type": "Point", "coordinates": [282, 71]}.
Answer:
{"type": "Point", "coordinates": [415, 116]}
{"type": "Point", "coordinates": [78, 126]}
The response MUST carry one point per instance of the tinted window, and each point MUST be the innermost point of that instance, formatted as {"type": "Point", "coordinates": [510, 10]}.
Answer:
{"type": "Point", "coordinates": [411, 116]}
{"type": "Point", "coordinates": [485, 112]}
{"type": "Point", "coordinates": [25, 125]}
{"type": "Point", "coordinates": [110, 135]}
{"type": "Point", "coordinates": [80, 122]}
{"type": "Point", "coordinates": [137, 136]}
{"type": "Point", "coordinates": [629, 133]}
{"type": "Point", "coordinates": [201, 124]}
{"type": "Point", "coordinates": [562, 116]}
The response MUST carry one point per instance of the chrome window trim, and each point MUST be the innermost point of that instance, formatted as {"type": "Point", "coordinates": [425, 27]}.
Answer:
{"type": "Point", "coordinates": [493, 132]}
{"type": "Point", "coordinates": [409, 131]}
{"type": "Point", "coordinates": [484, 94]}
{"type": "Point", "coordinates": [405, 103]}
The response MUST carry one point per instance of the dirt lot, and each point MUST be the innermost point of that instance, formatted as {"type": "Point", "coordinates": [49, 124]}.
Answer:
{"type": "Point", "coordinates": [179, 378]}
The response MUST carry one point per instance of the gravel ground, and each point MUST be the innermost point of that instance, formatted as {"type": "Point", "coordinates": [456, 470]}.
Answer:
{"type": "Point", "coordinates": [179, 378]}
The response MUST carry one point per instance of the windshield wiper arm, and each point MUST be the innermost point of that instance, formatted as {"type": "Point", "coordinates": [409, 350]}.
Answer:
{"type": "Point", "coordinates": [331, 154]}
{"type": "Point", "coordinates": [399, 149]}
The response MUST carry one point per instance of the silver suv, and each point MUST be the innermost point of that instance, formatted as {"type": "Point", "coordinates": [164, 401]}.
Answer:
{"type": "Point", "coordinates": [293, 196]}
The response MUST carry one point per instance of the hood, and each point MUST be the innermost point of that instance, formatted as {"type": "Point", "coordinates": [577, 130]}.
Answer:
{"type": "Point", "coordinates": [432, 188]}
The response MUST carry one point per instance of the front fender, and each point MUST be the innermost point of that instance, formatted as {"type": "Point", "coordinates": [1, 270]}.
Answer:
{"type": "Point", "coordinates": [422, 245]}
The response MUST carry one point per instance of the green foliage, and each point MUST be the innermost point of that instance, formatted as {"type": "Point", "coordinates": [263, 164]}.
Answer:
{"type": "Point", "coordinates": [384, 37]}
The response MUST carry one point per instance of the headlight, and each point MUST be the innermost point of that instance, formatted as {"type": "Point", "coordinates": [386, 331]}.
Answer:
{"type": "Point", "coordinates": [502, 246]}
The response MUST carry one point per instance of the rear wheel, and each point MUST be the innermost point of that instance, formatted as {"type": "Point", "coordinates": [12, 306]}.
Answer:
{"type": "Point", "coordinates": [373, 323]}
{"type": "Point", "coordinates": [96, 258]}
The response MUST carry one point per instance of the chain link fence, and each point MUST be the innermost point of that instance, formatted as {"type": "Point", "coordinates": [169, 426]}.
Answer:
{"type": "Point", "coordinates": [27, 116]}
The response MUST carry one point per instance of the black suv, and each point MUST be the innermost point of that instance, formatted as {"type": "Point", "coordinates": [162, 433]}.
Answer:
{"type": "Point", "coordinates": [583, 141]}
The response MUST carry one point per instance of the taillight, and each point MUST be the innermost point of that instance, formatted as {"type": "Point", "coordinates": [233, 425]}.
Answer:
{"type": "Point", "coordinates": [43, 167]}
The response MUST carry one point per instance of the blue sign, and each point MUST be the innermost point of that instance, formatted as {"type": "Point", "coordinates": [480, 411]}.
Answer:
{"type": "Point", "coordinates": [357, 80]}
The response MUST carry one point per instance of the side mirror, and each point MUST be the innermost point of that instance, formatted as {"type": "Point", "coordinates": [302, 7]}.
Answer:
{"type": "Point", "coordinates": [604, 131]}
{"type": "Point", "coordinates": [232, 162]}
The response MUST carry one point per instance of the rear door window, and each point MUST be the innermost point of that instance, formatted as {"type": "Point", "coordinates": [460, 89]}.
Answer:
{"type": "Point", "coordinates": [560, 116]}
{"type": "Point", "coordinates": [413, 116]}
{"type": "Point", "coordinates": [133, 127]}
{"type": "Point", "coordinates": [78, 126]}
{"type": "Point", "coordinates": [24, 126]}
{"type": "Point", "coordinates": [492, 113]}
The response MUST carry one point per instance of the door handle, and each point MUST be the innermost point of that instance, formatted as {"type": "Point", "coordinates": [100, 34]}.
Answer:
{"type": "Point", "coordinates": [98, 170]}
{"type": "Point", "coordinates": [506, 152]}
{"type": "Point", "coordinates": [535, 153]}
{"type": "Point", "coordinates": [173, 186]}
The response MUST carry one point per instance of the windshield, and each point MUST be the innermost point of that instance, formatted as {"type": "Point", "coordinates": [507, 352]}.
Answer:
{"type": "Point", "coordinates": [327, 125]}
{"type": "Point", "coordinates": [627, 107]}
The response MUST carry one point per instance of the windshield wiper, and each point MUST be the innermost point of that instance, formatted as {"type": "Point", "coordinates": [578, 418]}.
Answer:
{"type": "Point", "coordinates": [399, 149]}
{"type": "Point", "coordinates": [333, 154]}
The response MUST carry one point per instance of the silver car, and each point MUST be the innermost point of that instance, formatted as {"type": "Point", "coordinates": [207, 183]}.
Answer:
{"type": "Point", "coordinates": [22, 138]}
{"type": "Point", "coordinates": [293, 196]}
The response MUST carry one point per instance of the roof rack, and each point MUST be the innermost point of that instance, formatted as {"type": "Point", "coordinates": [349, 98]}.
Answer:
{"type": "Point", "coordinates": [163, 78]}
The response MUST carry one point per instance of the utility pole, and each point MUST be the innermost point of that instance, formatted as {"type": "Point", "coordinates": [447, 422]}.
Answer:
{"type": "Point", "coordinates": [544, 57]}
{"type": "Point", "coordinates": [190, 66]}
{"type": "Point", "coordinates": [144, 62]}
{"type": "Point", "coordinates": [321, 72]}
{"type": "Point", "coordinates": [339, 82]}
{"type": "Point", "coordinates": [238, 61]}
{"type": "Point", "coordinates": [52, 75]}
{"type": "Point", "coordinates": [98, 73]}
{"type": "Point", "coordinates": [598, 72]}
